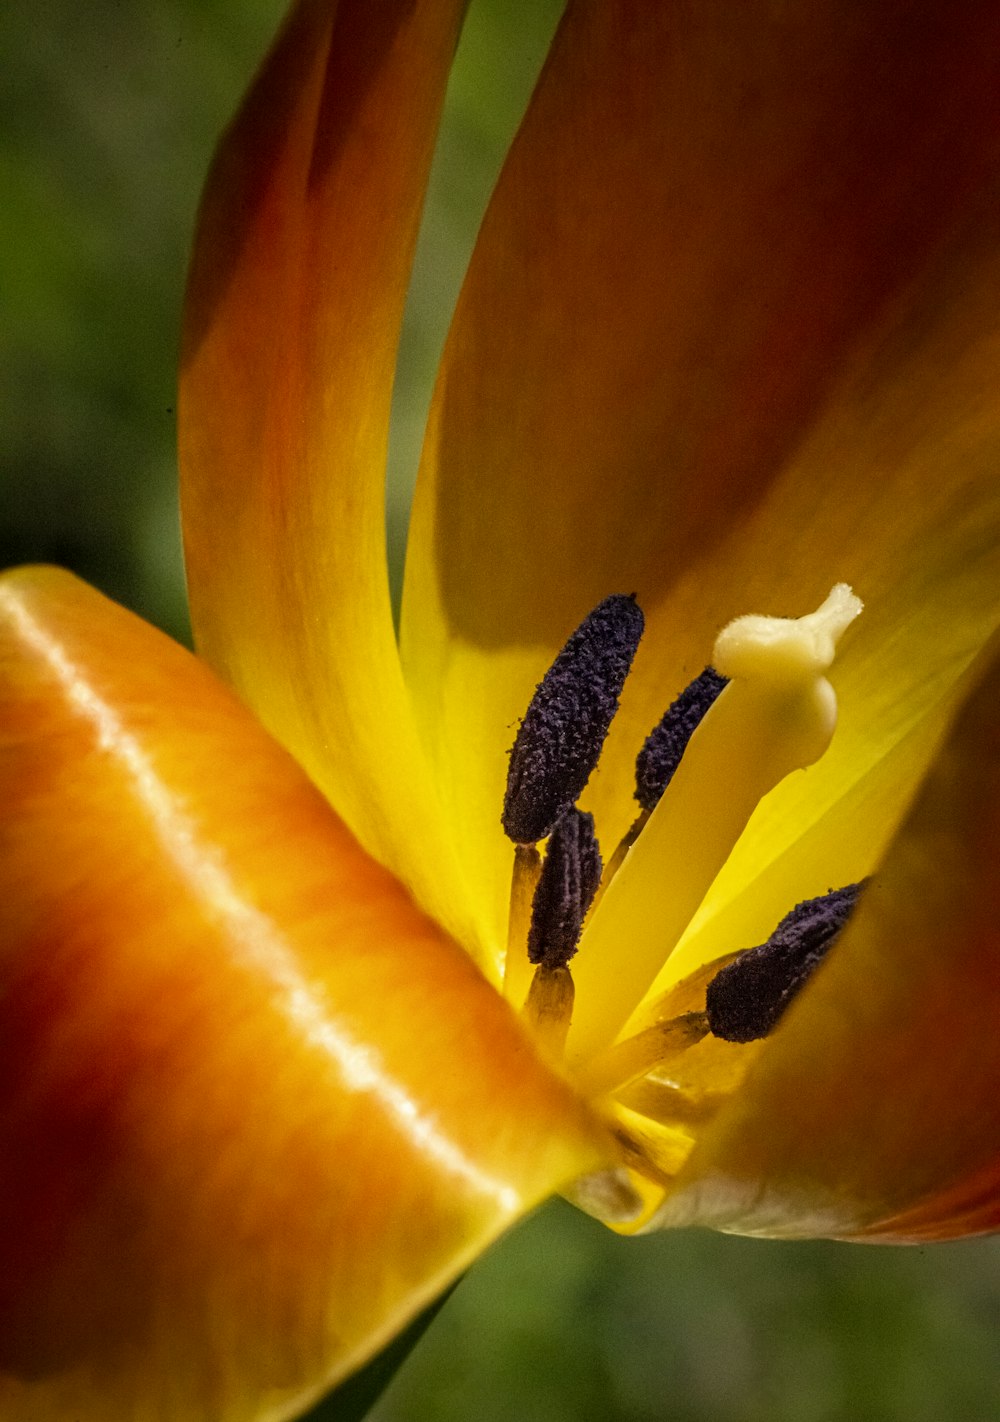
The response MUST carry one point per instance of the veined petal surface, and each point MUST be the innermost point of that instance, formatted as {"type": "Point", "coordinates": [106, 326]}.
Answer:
{"type": "Point", "coordinates": [729, 336]}
{"type": "Point", "coordinates": [873, 1111]}
{"type": "Point", "coordinates": [255, 1108]}
{"type": "Point", "coordinates": [295, 298]}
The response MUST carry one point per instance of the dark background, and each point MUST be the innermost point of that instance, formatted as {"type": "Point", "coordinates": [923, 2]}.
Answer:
{"type": "Point", "coordinates": [108, 112]}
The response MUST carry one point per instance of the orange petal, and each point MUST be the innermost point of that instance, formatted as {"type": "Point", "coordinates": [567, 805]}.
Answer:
{"type": "Point", "coordinates": [873, 1112]}
{"type": "Point", "coordinates": [256, 1110]}
{"type": "Point", "coordinates": [895, 489]}
{"type": "Point", "coordinates": [294, 305]}
{"type": "Point", "coordinates": [713, 216]}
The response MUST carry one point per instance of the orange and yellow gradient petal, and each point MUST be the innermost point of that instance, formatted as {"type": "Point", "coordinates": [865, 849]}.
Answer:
{"type": "Point", "coordinates": [728, 337]}
{"type": "Point", "coordinates": [296, 291]}
{"type": "Point", "coordinates": [256, 1108]}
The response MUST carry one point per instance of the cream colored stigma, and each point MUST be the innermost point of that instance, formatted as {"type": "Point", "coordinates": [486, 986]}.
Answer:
{"type": "Point", "coordinates": [777, 715]}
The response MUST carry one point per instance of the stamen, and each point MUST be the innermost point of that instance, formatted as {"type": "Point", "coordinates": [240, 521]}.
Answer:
{"type": "Point", "coordinates": [564, 727]}
{"type": "Point", "coordinates": [549, 1008]}
{"type": "Point", "coordinates": [566, 886]}
{"type": "Point", "coordinates": [569, 878]}
{"type": "Point", "coordinates": [666, 743]}
{"type": "Point", "coordinates": [746, 999]}
{"type": "Point", "coordinates": [636, 1056]}
{"type": "Point", "coordinates": [777, 715]}
{"type": "Point", "coordinates": [523, 883]}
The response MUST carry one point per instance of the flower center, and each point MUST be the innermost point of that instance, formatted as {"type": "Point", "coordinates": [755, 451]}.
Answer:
{"type": "Point", "coordinates": [584, 947]}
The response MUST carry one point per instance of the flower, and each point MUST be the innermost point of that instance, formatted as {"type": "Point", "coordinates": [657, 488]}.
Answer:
{"type": "Point", "coordinates": [728, 337]}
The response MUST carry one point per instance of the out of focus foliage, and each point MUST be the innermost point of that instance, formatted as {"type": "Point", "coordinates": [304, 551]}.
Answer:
{"type": "Point", "coordinates": [565, 1322]}
{"type": "Point", "coordinates": [108, 114]}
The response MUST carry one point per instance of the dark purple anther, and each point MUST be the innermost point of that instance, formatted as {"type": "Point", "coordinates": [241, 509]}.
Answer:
{"type": "Point", "coordinates": [746, 999]}
{"type": "Point", "coordinates": [560, 738]}
{"type": "Point", "coordinates": [570, 876]}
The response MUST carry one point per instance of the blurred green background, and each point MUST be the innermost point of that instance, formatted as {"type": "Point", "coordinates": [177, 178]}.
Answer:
{"type": "Point", "coordinates": [108, 112]}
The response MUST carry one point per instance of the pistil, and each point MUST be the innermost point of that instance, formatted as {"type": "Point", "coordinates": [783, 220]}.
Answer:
{"type": "Point", "coordinates": [661, 754]}
{"type": "Point", "coordinates": [777, 715]}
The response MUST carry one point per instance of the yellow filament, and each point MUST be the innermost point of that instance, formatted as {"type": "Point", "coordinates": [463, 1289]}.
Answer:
{"type": "Point", "coordinates": [636, 1056]}
{"type": "Point", "coordinates": [777, 715]}
{"type": "Point", "coordinates": [549, 1009]}
{"type": "Point", "coordinates": [524, 881]}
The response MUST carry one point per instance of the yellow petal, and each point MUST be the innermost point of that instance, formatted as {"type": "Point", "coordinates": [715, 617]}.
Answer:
{"type": "Point", "coordinates": [720, 230]}
{"type": "Point", "coordinates": [256, 1109]}
{"type": "Point", "coordinates": [296, 291]}
{"type": "Point", "coordinates": [873, 1110]}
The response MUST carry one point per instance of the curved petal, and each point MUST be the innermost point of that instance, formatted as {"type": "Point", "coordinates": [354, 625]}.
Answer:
{"type": "Point", "coordinates": [699, 356]}
{"type": "Point", "coordinates": [293, 310]}
{"type": "Point", "coordinates": [897, 488]}
{"type": "Point", "coordinates": [256, 1109]}
{"type": "Point", "coordinates": [873, 1112]}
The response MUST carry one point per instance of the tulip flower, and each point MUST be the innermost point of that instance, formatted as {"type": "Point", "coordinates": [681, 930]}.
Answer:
{"type": "Point", "coordinates": [275, 1067]}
